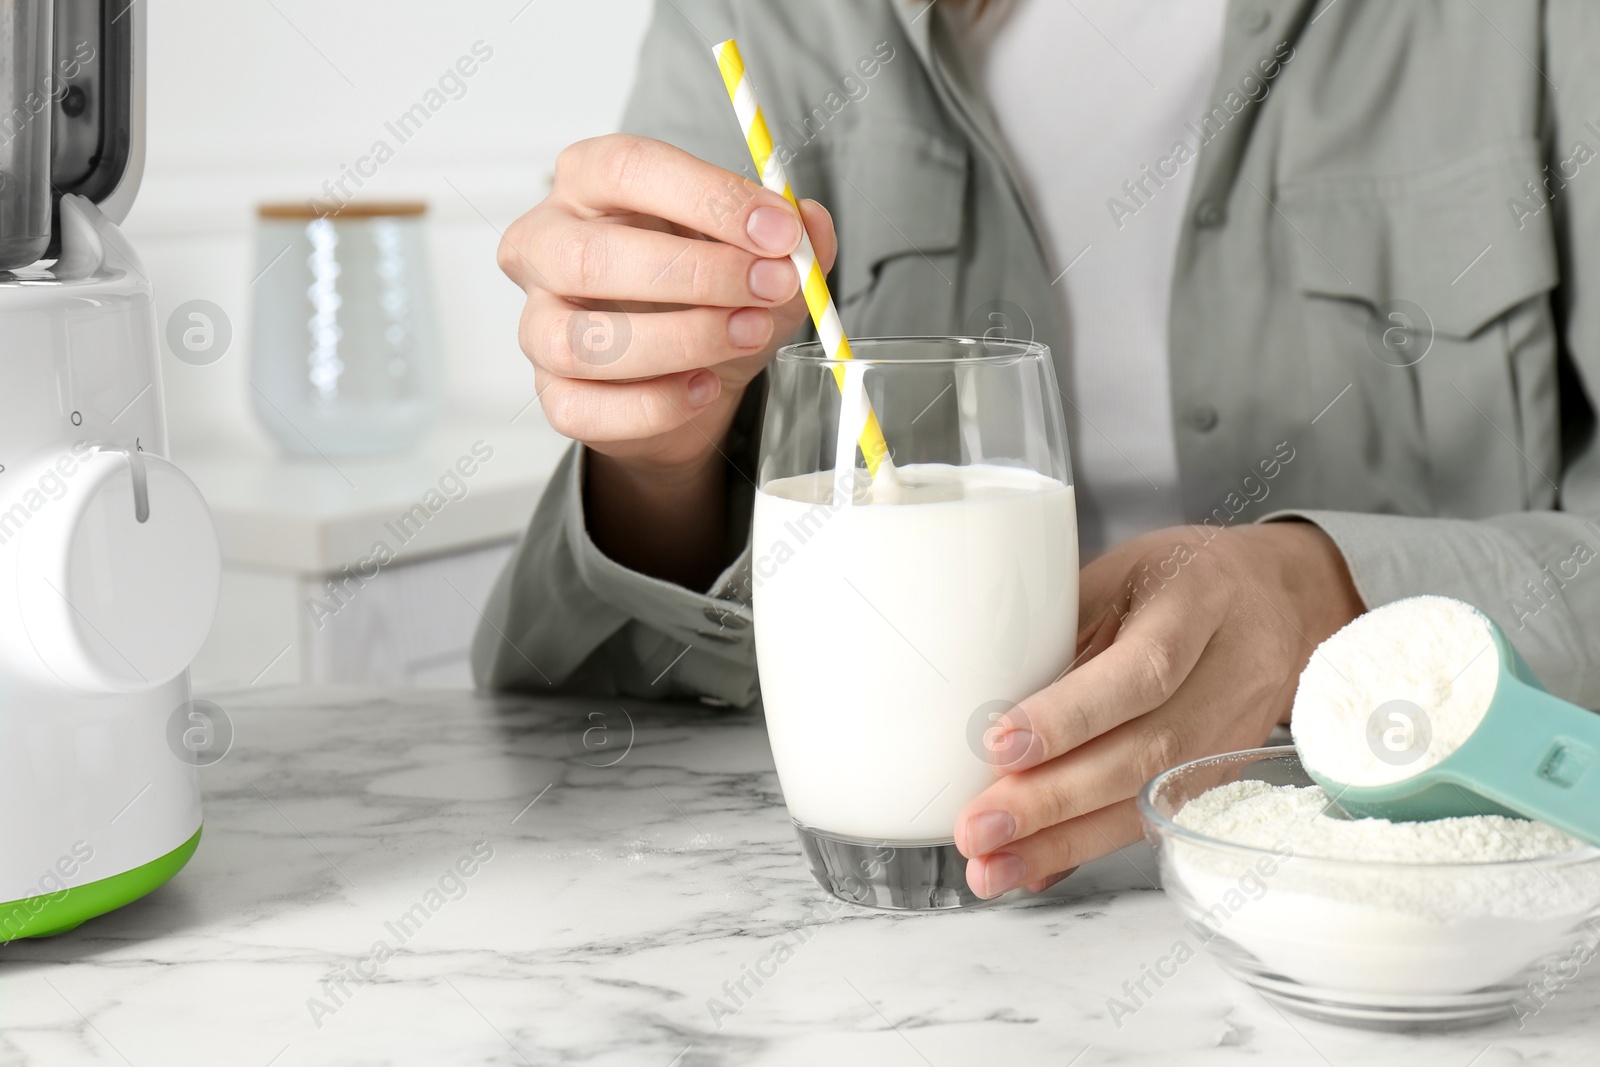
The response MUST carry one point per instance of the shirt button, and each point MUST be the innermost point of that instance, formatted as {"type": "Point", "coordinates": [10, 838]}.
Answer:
{"type": "Point", "coordinates": [1254, 20]}
{"type": "Point", "coordinates": [1202, 417]}
{"type": "Point", "coordinates": [720, 617]}
{"type": "Point", "coordinates": [1210, 213]}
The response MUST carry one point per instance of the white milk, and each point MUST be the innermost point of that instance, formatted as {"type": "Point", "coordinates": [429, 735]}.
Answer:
{"type": "Point", "coordinates": [884, 629]}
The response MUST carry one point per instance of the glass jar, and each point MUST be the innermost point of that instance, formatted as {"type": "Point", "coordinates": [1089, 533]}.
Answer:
{"type": "Point", "coordinates": [345, 353]}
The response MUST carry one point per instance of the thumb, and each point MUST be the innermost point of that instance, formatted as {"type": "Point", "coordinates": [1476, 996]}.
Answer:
{"type": "Point", "coordinates": [819, 224]}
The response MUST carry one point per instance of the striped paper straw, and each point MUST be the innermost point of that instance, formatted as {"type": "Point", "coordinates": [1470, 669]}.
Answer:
{"type": "Point", "coordinates": [823, 313]}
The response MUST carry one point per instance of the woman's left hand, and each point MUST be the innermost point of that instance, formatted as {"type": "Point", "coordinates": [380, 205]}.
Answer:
{"type": "Point", "coordinates": [1186, 648]}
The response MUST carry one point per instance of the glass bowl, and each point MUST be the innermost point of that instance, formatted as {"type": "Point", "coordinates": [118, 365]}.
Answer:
{"type": "Point", "coordinates": [1381, 945]}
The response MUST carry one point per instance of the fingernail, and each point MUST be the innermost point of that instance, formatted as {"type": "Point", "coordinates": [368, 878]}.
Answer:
{"type": "Point", "coordinates": [1051, 881]}
{"type": "Point", "coordinates": [989, 830]}
{"type": "Point", "coordinates": [702, 388]}
{"type": "Point", "coordinates": [749, 327]}
{"type": "Point", "coordinates": [1001, 872]}
{"type": "Point", "coordinates": [774, 230]}
{"type": "Point", "coordinates": [773, 279]}
{"type": "Point", "coordinates": [1014, 749]}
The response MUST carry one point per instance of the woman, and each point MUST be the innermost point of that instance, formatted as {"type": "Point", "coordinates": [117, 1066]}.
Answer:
{"type": "Point", "coordinates": [1312, 273]}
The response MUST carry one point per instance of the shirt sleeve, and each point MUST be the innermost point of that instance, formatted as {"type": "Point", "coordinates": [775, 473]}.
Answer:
{"type": "Point", "coordinates": [1535, 573]}
{"type": "Point", "coordinates": [566, 617]}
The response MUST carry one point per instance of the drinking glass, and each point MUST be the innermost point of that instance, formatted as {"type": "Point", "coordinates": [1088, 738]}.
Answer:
{"type": "Point", "coordinates": [897, 620]}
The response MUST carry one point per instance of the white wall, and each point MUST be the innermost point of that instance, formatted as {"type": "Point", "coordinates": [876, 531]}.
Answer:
{"type": "Point", "coordinates": [267, 99]}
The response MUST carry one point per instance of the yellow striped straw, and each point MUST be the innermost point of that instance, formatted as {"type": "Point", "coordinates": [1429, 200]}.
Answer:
{"type": "Point", "coordinates": [823, 313]}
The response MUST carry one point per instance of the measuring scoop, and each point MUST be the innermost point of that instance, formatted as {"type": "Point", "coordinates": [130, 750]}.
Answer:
{"type": "Point", "coordinates": [1532, 755]}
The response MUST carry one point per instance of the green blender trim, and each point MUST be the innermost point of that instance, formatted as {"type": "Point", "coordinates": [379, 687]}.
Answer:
{"type": "Point", "coordinates": [58, 912]}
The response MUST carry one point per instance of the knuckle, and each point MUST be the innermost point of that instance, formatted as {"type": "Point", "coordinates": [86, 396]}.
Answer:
{"type": "Point", "coordinates": [698, 337]}
{"type": "Point", "coordinates": [1065, 850]}
{"type": "Point", "coordinates": [564, 408]}
{"type": "Point", "coordinates": [581, 259]}
{"type": "Point", "coordinates": [556, 351]}
{"type": "Point", "coordinates": [506, 254]}
{"type": "Point", "coordinates": [1210, 570]}
{"type": "Point", "coordinates": [1059, 803]}
{"type": "Point", "coordinates": [528, 336]}
{"type": "Point", "coordinates": [677, 344]}
{"type": "Point", "coordinates": [1076, 725]}
{"type": "Point", "coordinates": [721, 204]}
{"type": "Point", "coordinates": [627, 162]}
{"type": "Point", "coordinates": [513, 252]}
{"type": "Point", "coordinates": [653, 411]}
{"type": "Point", "coordinates": [543, 336]}
{"type": "Point", "coordinates": [1160, 748]}
{"type": "Point", "coordinates": [570, 161]}
{"type": "Point", "coordinates": [703, 281]}
{"type": "Point", "coordinates": [1158, 674]}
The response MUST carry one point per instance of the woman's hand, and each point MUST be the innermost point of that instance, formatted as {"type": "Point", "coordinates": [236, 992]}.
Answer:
{"type": "Point", "coordinates": [658, 286]}
{"type": "Point", "coordinates": [1186, 648]}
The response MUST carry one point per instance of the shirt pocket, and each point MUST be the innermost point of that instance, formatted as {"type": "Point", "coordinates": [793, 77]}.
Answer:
{"type": "Point", "coordinates": [897, 194]}
{"type": "Point", "coordinates": [1428, 295]}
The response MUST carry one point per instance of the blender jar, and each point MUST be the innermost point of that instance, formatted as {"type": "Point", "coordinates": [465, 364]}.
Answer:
{"type": "Point", "coordinates": [25, 105]}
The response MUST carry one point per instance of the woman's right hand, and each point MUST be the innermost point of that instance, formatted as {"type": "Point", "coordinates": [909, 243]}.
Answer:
{"type": "Point", "coordinates": [658, 286]}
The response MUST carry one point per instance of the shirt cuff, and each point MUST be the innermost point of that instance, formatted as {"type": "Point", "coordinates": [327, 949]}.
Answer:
{"type": "Point", "coordinates": [703, 643]}
{"type": "Point", "coordinates": [1391, 557]}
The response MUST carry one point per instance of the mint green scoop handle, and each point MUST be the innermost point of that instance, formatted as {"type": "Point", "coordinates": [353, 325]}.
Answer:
{"type": "Point", "coordinates": [1533, 755]}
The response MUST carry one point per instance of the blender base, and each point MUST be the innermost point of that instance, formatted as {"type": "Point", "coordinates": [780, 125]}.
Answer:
{"type": "Point", "coordinates": [56, 913]}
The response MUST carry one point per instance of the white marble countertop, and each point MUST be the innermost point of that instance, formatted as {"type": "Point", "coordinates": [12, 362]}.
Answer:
{"type": "Point", "coordinates": [615, 903]}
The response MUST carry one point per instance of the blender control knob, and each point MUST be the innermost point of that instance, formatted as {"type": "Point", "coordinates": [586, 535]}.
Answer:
{"type": "Point", "coordinates": [115, 571]}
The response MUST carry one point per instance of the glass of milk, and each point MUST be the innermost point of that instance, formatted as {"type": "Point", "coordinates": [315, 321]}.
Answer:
{"type": "Point", "coordinates": [897, 618]}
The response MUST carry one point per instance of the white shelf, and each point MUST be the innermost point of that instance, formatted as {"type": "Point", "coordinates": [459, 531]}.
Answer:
{"type": "Point", "coordinates": [315, 516]}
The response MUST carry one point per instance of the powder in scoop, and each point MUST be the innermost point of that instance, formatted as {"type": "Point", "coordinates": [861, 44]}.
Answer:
{"type": "Point", "coordinates": [1395, 692]}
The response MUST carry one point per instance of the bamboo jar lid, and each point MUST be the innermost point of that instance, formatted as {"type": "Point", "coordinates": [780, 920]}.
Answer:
{"type": "Point", "coordinates": [357, 209]}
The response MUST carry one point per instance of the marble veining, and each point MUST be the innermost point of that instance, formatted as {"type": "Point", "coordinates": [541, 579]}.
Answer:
{"type": "Point", "coordinates": [421, 877]}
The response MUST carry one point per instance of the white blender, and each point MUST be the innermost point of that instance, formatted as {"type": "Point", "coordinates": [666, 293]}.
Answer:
{"type": "Point", "coordinates": [109, 566]}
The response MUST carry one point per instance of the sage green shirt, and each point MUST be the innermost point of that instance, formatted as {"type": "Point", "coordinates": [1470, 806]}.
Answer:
{"type": "Point", "coordinates": [1384, 310]}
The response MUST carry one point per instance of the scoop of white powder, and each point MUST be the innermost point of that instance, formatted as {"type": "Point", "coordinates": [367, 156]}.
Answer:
{"type": "Point", "coordinates": [1395, 692]}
